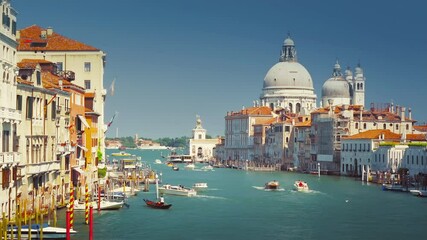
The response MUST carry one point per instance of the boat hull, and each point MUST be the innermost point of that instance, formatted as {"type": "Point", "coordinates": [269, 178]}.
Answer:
{"type": "Point", "coordinates": [157, 205]}
{"type": "Point", "coordinates": [176, 190]}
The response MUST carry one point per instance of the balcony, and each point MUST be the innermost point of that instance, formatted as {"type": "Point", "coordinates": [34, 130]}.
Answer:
{"type": "Point", "coordinates": [9, 158]}
{"type": "Point", "coordinates": [10, 114]}
{"type": "Point", "coordinates": [43, 167]}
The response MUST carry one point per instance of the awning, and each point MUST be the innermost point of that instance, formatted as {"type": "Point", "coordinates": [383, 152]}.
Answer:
{"type": "Point", "coordinates": [79, 170]}
{"type": "Point", "coordinates": [83, 120]}
{"type": "Point", "coordinates": [83, 148]}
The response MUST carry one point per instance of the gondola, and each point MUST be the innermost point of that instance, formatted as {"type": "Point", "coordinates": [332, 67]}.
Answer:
{"type": "Point", "coordinates": [157, 205]}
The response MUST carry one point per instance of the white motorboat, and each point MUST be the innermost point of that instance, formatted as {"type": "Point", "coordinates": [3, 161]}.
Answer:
{"type": "Point", "coordinates": [207, 168]}
{"type": "Point", "coordinates": [393, 187]}
{"type": "Point", "coordinates": [190, 166]}
{"type": "Point", "coordinates": [105, 205]}
{"type": "Point", "coordinates": [177, 190]}
{"type": "Point", "coordinates": [36, 230]}
{"type": "Point", "coordinates": [418, 193]}
{"type": "Point", "coordinates": [200, 186]}
{"type": "Point", "coordinates": [301, 186]}
{"type": "Point", "coordinates": [158, 161]}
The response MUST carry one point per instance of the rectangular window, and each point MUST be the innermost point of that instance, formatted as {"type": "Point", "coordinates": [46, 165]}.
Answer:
{"type": "Point", "coordinates": [19, 102]}
{"type": "Point", "coordinates": [53, 112]}
{"type": "Point", "coordinates": [39, 79]}
{"type": "Point", "coordinates": [29, 112]}
{"type": "Point", "coordinates": [87, 66]}
{"type": "Point", "coordinates": [59, 66]}
{"type": "Point", "coordinates": [87, 84]}
{"type": "Point", "coordinates": [5, 139]}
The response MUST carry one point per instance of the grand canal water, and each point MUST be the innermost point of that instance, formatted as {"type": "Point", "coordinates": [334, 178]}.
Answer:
{"type": "Point", "coordinates": [235, 207]}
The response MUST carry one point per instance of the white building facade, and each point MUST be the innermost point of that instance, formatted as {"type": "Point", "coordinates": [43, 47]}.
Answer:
{"type": "Point", "coordinates": [201, 149]}
{"type": "Point", "coordinates": [10, 116]}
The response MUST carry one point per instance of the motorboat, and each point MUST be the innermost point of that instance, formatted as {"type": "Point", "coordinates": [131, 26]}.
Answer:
{"type": "Point", "coordinates": [121, 154]}
{"type": "Point", "coordinates": [158, 161]}
{"type": "Point", "coordinates": [157, 204]}
{"type": "Point", "coordinates": [392, 187]}
{"type": "Point", "coordinates": [169, 164]}
{"type": "Point", "coordinates": [190, 166]}
{"type": "Point", "coordinates": [175, 168]}
{"type": "Point", "coordinates": [272, 185]}
{"type": "Point", "coordinates": [201, 186]}
{"type": "Point", "coordinates": [177, 190]}
{"type": "Point", "coordinates": [105, 205]}
{"type": "Point", "coordinates": [206, 168]}
{"type": "Point", "coordinates": [37, 230]}
{"type": "Point", "coordinates": [418, 193]}
{"type": "Point", "coordinates": [301, 186]}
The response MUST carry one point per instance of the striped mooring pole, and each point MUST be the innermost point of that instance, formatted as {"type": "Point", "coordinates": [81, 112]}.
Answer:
{"type": "Point", "coordinates": [87, 204]}
{"type": "Point", "coordinates": [71, 205]}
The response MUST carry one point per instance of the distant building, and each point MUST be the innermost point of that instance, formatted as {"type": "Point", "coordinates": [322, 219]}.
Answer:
{"type": "Point", "coordinates": [201, 149]}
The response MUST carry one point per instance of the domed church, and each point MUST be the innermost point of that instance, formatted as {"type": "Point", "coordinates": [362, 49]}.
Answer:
{"type": "Point", "coordinates": [347, 89]}
{"type": "Point", "coordinates": [288, 84]}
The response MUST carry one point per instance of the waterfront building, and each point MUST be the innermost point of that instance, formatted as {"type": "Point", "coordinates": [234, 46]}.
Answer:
{"type": "Point", "coordinates": [302, 145]}
{"type": "Point", "coordinates": [10, 115]}
{"type": "Point", "coordinates": [44, 128]}
{"type": "Point", "coordinates": [288, 84]}
{"type": "Point", "coordinates": [344, 89]}
{"type": "Point", "coordinates": [260, 140]}
{"type": "Point", "coordinates": [383, 151]}
{"type": "Point", "coordinates": [219, 151]}
{"type": "Point", "coordinates": [332, 123]}
{"type": "Point", "coordinates": [86, 62]}
{"type": "Point", "coordinates": [201, 148]}
{"type": "Point", "coordinates": [239, 132]}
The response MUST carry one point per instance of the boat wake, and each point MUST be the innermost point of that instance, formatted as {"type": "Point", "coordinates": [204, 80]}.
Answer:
{"type": "Point", "coordinates": [269, 190]}
{"type": "Point", "coordinates": [209, 197]}
{"type": "Point", "coordinates": [308, 191]}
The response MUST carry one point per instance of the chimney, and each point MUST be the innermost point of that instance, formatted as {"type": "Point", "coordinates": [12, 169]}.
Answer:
{"type": "Point", "coordinates": [43, 34]}
{"type": "Point", "coordinates": [18, 35]}
{"type": "Point", "coordinates": [402, 113]}
{"type": "Point", "coordinates": [409, 113]}
{"type": "Point", "coordinates": [361, 114]}
{"type": "Point", "coordinates": [60, 84]}
{"type": "Point", "coordinates": [49, 31]}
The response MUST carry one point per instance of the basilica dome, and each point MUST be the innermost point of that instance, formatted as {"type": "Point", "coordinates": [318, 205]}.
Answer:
{"type": "Point", "coordinates": [288, 75]}
{"type": "Point", "coordinates": [336, 87]}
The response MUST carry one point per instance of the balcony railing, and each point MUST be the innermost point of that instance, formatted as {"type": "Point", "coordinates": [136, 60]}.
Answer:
{"type": "Point", "coordinates": [8, 113]}
{"type": "Point", "coordinates": [10, 157]}
{"type": "Point", "coordinates": [42, 167]}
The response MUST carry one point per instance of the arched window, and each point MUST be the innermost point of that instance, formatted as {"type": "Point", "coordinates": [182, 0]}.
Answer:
{"type": "Point", "coordinates": [272, 106]}
{"type": "Point", "coordinates": [290, 107]}
{"type": "Point", "coordinates": [298, 108]}
{"type": "Point", "coordinates": [364, 125]}
{"type": "Point", "coordinates": [384, 126]}
{"type": "Point", "coordinates": [357, 125]}
{"type": "Point", "coordinates": [361, 86]}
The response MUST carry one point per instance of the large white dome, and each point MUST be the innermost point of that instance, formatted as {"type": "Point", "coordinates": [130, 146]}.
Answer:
{"type": "Point", "coordinates": [288, 75]}
{"type": "Point", "coordinates": [336, 87]}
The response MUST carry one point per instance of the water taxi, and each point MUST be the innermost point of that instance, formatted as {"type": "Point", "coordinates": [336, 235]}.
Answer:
{"type": "Point", "coordinates": [105, 205]}
{"type": "Point", "coordinates": [36, 232]}
{"type": "Point", "coordinates": [190, 166]}
{"type": "Point", "coordinates": [418, 193]}
{"type": "Point", "coordinates": [200, 186]}
{"type": "Point", "coordinates": [207, 168]}
{"type": "Point", "coordinates": [301, 186]}
{"type": "Point", "coordinates": [177, 190]}
{"type": "Point", "coordinates": [121, 154]}
{"type": "Point", "coordinates": [272, 185]}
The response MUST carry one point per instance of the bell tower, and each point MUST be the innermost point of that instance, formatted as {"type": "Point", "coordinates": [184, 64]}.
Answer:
{"type": "Point", "coordinates": [359, 86]}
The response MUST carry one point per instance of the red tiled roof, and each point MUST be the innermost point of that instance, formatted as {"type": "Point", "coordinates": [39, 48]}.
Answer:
{"type": "Point", "coordinates": [421, 128]}
{"type": "Point", "coordinates": [416, 137]}
{"type": "Point", "coordinates": [303, 124]}
{"type": "Point", "coordinates": [375, 134]}
{"type": "Point", "coordinates": [31, 63]}
{"type": "Point", "coordinates": [31, 40]}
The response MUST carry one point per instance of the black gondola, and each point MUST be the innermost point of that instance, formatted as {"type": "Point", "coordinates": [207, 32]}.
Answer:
{"type": "Point", "coordinates": [157, 205]}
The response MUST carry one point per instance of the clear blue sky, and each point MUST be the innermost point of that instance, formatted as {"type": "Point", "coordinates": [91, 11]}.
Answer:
{"type": "Point", "coordinates": [175, 59]}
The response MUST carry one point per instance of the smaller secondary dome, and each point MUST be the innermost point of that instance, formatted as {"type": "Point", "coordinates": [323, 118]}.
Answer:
{"type": "Point", "coordinates": [336, 87]}
{"type": "Point", "coordinates": [288, 42]}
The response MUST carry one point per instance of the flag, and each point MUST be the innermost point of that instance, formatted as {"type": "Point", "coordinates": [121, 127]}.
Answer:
{"type": "Point", "coordinates": [112, 87]}
{"type": "Point", "coordinates": [112, 119]}
{"type": "Point", "coordinates": [54, 96]}
{"type": "Point", "coordinates": [111, 122]}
